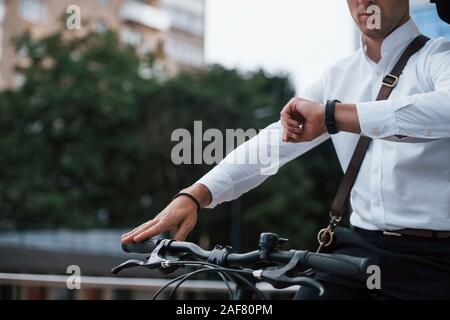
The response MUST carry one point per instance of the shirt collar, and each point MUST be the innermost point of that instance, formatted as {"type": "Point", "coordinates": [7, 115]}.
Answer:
{"type": "Point", "coordinates": [399, 38]}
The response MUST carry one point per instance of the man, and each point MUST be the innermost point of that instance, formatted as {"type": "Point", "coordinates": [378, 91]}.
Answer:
{"type": "Point", "coordinates": [404, 180]}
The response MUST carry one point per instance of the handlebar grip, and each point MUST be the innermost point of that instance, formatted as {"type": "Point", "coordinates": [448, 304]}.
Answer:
{"type": "Point", "coordinates": [337, 263]}
{"type": "Point", "coordinates": [146, 246]}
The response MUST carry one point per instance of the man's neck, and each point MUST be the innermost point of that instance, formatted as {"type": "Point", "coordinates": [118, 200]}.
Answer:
{"type": "Point", "coordinates": [373, 48]}
{"type": "Point", "coordinates": [374, 44]}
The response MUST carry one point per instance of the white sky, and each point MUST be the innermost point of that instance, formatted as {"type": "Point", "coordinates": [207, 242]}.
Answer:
{"type": "Point", "coordinates": [301, 37]}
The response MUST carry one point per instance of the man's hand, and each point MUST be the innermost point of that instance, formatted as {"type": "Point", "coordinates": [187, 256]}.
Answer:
{"type": "Point", "coordinates": [302, 120]}
{"type": "Point", "coordinates": [180, 216]}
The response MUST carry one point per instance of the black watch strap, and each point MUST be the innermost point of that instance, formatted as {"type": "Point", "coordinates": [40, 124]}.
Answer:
{"type": "Point", "coordinates": [330, 122]}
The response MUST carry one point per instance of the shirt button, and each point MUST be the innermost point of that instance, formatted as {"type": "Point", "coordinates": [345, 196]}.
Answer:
{"type": "Point", "coordinates": [376, 131]}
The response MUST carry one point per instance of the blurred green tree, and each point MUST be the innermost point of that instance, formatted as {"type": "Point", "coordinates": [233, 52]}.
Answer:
{"type": "Point", "coordinates": [86, 142]}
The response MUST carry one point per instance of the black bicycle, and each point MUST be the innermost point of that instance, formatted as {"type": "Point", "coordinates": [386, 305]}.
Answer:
{"type": "Point", "coordinates": [269, 264]}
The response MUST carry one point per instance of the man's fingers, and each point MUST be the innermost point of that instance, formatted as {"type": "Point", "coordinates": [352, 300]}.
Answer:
{"type": "Point", "coordinates": [127, 235]}
{"type": "Point", "coordinates": [290, 116]}
{"type": "Point", "coordinates": [293, 138]}
{"type": "Point", "coordinates": [158, 228]}
{"type": "Point", "coordinates": [291, 125]}
{"type": "Point", "coordinates": [133, 230]}
{"type": "Point", "coordinates": [130, 235]}
{"type": "Point", "coordinates": [288, 138]}
{"type": "Point", "coordinates": [286, 114]}
{"type": "Point", "coordinates": [140, 227]}
{"type": "Point", "coordinates": [289, 107]}
{"type": "Point", "coordinates": [292, 135]}
{"type": "Point", "coordinates": [183, 232]}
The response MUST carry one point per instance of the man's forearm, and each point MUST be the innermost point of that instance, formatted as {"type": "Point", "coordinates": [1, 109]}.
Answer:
{"type": "Point", "coordinates": [346, 117]}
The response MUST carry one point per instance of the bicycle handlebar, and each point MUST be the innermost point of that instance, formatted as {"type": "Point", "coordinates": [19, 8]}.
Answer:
{"type": "Point", "coordinates": [337, 263]}
{"type": "Point", "coordinates": [146, 246]}
{"type": "Point", "coordinates": [334, 263]}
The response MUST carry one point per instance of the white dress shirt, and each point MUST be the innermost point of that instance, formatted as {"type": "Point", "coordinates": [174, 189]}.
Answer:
{"type": "Point", "coordinates": [402, 183]}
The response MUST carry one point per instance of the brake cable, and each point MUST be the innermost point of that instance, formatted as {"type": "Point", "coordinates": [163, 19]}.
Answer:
{"type": "Point", "coordinates": [234, 273]}
{"type": "Point", "coordinates": [160, 290]}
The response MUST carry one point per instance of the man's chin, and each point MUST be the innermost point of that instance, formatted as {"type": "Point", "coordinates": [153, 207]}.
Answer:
{"type": "Point", "coordinates": [374, 33]}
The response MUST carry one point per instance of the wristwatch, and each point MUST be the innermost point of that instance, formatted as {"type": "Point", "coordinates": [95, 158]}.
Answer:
{"type": "Point", "coordinates": [330, 122]}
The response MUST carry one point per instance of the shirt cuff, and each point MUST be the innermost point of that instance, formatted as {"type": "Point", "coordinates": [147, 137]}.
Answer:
{"type": "Point", "coordinates": [377, 119]}
{"type": "Point", "coordinates": [216, 181]}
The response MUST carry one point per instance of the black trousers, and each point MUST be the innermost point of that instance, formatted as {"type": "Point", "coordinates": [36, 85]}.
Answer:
{"type": "Point", "coordinates": [410, 267]}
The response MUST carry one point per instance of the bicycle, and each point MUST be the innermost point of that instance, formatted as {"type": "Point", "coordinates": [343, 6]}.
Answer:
{"type": "Point", "coordinates": [280, 268]}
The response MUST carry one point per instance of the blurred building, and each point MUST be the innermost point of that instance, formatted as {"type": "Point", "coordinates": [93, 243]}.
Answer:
{"type": "Point", "coordinates": [170, 29]}
{"type": "Point", "coordinates": [425, 15]}
{"type": "Point", "coordinates": [184, 42]}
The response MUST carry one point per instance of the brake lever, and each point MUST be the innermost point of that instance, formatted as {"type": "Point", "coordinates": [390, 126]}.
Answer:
{"type": "Point", "coordinates": [126, 265]}
{"type": "Point", "coordinates": [285, 282]}
{"type": "Point", "coordinates": [278, 278]}
{"type": "Point", "coordinates": [155, 260]}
